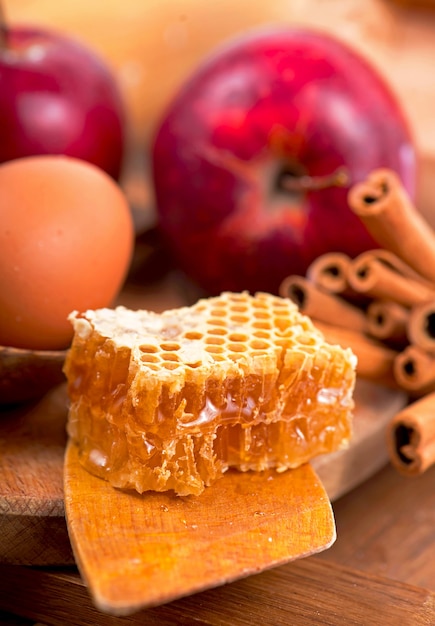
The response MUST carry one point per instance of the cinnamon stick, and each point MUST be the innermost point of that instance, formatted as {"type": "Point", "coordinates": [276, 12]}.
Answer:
{"type": "Point", "coordinates": [388, 321]}
{"type": "Point", "coordinates": [320, 305]}
{"type": "Point", "coordinates": [376, 279]}
{"type": "Point", "coordinates": [414, 371]}
{"type": "Point", "coordinates": [421, 326]}
{"type": "Point", "coordinates": [411, 437]}
{"type": "Point", "coordinates": [384, 207]}
{"type": "Point", "coordinates": [375, 360]}
{"type": "Point", "coordinates": [329, 272]}
{"type": "Point", "coordinates": [394, 262]}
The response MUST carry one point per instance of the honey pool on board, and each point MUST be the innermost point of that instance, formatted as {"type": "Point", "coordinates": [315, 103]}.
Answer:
{"type": "Point", "coordinates": [172, 400]}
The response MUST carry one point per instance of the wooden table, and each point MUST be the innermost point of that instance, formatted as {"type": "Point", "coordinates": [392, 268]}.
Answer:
{"type": "Point", "coordinates": [380, 570]}
{"type": "Point", "coordinates": [386, 527]}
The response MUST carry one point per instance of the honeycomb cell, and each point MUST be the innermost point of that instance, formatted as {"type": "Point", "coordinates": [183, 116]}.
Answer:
{"type": "Point", "coordinates": [214, 349]}
{"type": "Point", "coordinates": [306, 340]}
{"type": "Point", "coordinates": [149, 358]}
{"type": "Point", "coordinates": [170, 347]}
{"type": "Point", "coordinates": [217, 341]}
{"type": "Point", "coordinates": [148, 349]}
{"type": "Point", "coordinates": [236, 356]}
{"type": "Point", "coordinates": [239, 319]}
{"type": "Point", "coordinates": [260, 304]}
{"type": "Point", "coordinates": [262, 325]}
{"type": "Point", "coordinates": [193, 335]}
{"type": "Point", "coordinates": [170, 365]}
{"type": "Point", "coordinates": [218, 322]}
{"type": "Point", "coordinates": [281, 323]}
{"type": "Point", "coordinates": [257, 344]}
{"type": "Point", "coordinates": [260, 315]}
{"type": "Point", "coordinates": [237, 347]}
{"type": "Point", "coordinates": [154, 368]}
{"type": "Point", "coordinates": [237, 337]}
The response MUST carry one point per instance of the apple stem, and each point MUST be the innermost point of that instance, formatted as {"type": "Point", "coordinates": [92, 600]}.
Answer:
{"type": "Point", "coordinates": [339, 178]}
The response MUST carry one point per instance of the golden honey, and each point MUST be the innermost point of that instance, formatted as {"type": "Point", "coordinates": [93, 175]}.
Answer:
{"type": "Point", "coordinates": [172, 400]}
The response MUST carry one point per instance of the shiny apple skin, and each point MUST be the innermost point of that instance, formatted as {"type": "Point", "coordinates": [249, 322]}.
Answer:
{"type": "Point", "coordinates": [58, 97]}
{"type": "Point", "coordinates": [272, 100]}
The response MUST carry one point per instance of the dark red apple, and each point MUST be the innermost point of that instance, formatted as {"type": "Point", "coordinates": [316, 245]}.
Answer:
{"type": "Point", "coordinates": [58, 97]}
{"type": "Point", "coordinates": [248, 161]}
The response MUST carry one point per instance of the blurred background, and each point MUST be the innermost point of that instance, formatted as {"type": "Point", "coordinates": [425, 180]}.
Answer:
{"type": "Point", "coordinates": [153, 45]}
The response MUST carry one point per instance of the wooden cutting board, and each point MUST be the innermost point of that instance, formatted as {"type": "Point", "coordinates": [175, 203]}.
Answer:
{"type": "Point", "coordinates": [32, 445]}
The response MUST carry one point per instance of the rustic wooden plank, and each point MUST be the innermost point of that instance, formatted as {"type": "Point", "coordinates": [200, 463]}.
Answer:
{"type": "Point", "coordinates": [32, 445]}
{"type": "Point", "coordinates": [304, 593]}
{"type": "Point", "coordinates": [35, 540]}
{"type": "Point", "coordinates": [386, 527]}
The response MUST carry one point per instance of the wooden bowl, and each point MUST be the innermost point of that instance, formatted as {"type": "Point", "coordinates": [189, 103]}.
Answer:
{"type": "Point", "coordinates": [28, 374]}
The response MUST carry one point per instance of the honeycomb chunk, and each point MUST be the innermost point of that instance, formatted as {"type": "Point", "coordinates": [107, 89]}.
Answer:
{"type": "Point", "coordinates": [170, 401]}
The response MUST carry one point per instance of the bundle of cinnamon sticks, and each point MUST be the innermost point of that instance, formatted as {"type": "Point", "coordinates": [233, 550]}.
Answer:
{"type": "Point", "coordinates": [382, 305]}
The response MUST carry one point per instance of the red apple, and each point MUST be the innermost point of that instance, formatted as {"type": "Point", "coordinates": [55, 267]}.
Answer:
{"type": "Point", "coordinates": [58, 97]}
{"type": "Point", "coordinates": [248, 160]}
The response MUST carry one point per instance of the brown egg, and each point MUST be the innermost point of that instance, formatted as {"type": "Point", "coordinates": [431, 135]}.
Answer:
{"type": "Point", "coordinates": [66, 240]}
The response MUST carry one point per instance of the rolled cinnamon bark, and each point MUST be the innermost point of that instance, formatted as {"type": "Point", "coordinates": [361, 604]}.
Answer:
{"type": "Point", "coordinates": [329, 272]}
{"type": "Point", "coordinates": [375, 360]}
{"type": "Point", "coordinates": [376, 279]}
{"type": "Point", "coordinates": [384, 207]}
{"type": "Point", "coordinates": [414, 371]}
{"type": "Point", "coordinates": [421, 326]}
{"type": "Point", "coordinates": [320, 305]}
{"type": "Point", "coordinates": [394, 262]}
{"type": "Point", "coordinates": [411, 437]}
{"type": "Point", "coordinates": [388, 321]}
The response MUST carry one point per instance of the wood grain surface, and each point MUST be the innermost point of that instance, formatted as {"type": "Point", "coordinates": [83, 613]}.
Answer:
{"type": "Point", "coordinates": [137, 551]}
{"type": "Point", "coordinates": [382, 562]}
{"type": "Point", "coordinates": [386, 527]}
{"type": "Point", "coordinates": [304, 593]}
{"type": "Point", "coordinates": [32, 518]}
